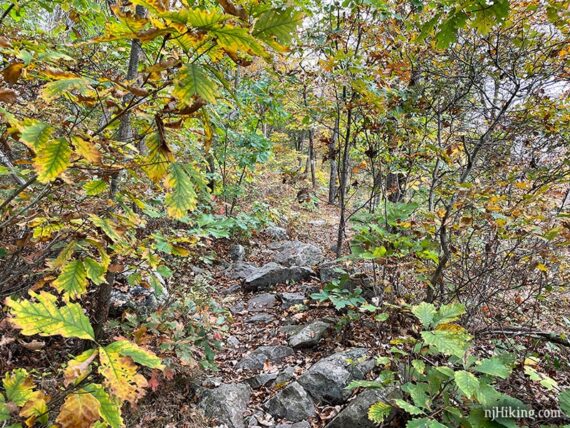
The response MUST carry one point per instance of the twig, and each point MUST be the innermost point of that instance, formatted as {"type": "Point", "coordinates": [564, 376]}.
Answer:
{"type": "Point", "coordinates": [522, 331]}
{"type": "Point", "coordinates": [18, 191]}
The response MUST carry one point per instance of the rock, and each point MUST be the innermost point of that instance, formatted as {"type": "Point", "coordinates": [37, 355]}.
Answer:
{"type": "Point", "coordinates": [233, 341]}
{"type": "Point", "coordinates": [276, 232]}
{"type": "Point", "coordinates": [303, 424]}
{"type": "Point", "coordinates": [309, 335]}
{"type": "Point", "coordinates": [330, 271]}
{"type": "Point", "coordinates": [296, 253]}
{"type": "Point", "coordinates": [240, 270]}
{"type": "Point", "coordinates": [261, 302]}
{"type": "Point", "coordinates": [292, 299]}
{"type": "Point", "coordinates": [227, 404]}
{"type": "Point", "coordinates": [237, 252]}
{"type": "Point", "coordinates": [355, 415]}
{"type": "Point", "coordinates": [290, 329]}
{"type": "Point", "coordinates": [140, 299]}
{"type": "Point", "coordinates": [238, 308]}
{"type": "Point", "coordinates": [260, 318]}
{"type": "Point", "coordinates": [317, 222]}
{"type": "Point", "coordinates": [256, 359]}
{"type": "Point", "coordinates": [261, 379]}
{"type": "Point", "coordinates": [232, 289]}
{"type": "Point", "coordinates": [272, 274]}
{"type": "Point", "coordinates": [286, 375]}
{"type": "Point", "coordinates": [212, 382]}
{"type": "Point", "coordinates": [291, 403]}
{"type": "Point", "coordinates": [327, 379]}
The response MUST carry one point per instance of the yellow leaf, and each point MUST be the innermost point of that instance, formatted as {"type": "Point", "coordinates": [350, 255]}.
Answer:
{"type": "Point", "coordinates": [36, 409]}
{"type": "Point", "coordinates": [12, 72]}
{"type": "Point", "coordinates": [542, 267]}
{"type": "Point", "coordinates": [73, 279]}
{"type": "Point", "coordinates": [79, 367]}
{"type": "Point", "coordinates": [121, 377]}
{"type": "Point", "coordinates": [52, 159]}
{"type": "Point", "coordinates": [79, 410]}
{"type": "Point", "coordinates": [86, 149]}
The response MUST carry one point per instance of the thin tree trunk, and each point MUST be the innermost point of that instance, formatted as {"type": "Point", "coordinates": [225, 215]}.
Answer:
{"type": "Point", "coordinates": [333, 163]}
{"type": "Point", "coordinates": [103, 298]}
{"type": "Point", "coordinates": [343, 181]}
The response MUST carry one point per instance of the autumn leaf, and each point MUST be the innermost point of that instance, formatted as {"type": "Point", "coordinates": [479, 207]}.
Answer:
{"type": "Point", "coordinates": [13, 72]}
{"type": "Point", "coordinates": [79, 410]}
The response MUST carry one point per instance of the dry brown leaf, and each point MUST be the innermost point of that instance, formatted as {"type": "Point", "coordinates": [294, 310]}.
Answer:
{"type": "Point", "coordinates": [8, 96]}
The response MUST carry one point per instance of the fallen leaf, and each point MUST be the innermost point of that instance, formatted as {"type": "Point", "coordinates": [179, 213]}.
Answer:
{"type": "Point", "coordinates": [12, 72]}
{"type": "Point", "coordinates": [34, 345]}
{"type": "Point", "coordinates": [8, 96]}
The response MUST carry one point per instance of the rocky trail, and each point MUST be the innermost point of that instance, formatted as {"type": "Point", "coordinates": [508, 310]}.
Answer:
{"type": "Point", "coordinates": [285, 362]}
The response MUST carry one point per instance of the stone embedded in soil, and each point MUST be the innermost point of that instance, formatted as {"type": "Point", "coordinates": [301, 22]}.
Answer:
{"type": "Point", "coordinates": [261, 379]}
{"type": "Point", "coordinates": [237, 252]}
{"type": "Point", "coordinates": [327, 379]}
{"type": "Point", "coordinates": [275, 232]}
{"type": "Point", "coordinates": [227, 404]}
{"type": "Point", "coordinates": [296, 253]}
{"type": "Point", "coordinates": [291, 403]}
{"type": "Point", "coordinates": [284, 376]}
{"type": "Point", "coordinates": [291, 299]}
{"type": "Point", "coordinates": [309, 335]}
{"type": "Point", "coordinates": [355, 415]}
{"type": "Point", "coordinates": [329, 271]}
{"type": "Point", "coordinates": [260, 318]}
{"type": "Point", "coordinates": [303, 424]}
{"type": "Point", "coordinates": [290, 329]}
{"type": "Point", "coordinates": [261, 302]}
{"type": "Point", "coordinates": [272, 274]}
{"type": "Point", "coordinates": [256, 359]}
{"type": "Point", "coordinates": [240, 270]}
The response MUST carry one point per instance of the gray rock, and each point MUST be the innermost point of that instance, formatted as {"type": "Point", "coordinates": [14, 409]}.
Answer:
{"type": "Point", "coordinates": [303, 424]}
{"type": "Point", "coordinates": [355, 415]}
{"type": "Point", "coordinates": [327, 379]}
{"type": "Point", "coordinates": [286, 375]}
{"type": "Point", "coordinates": [309, 335]}
{"type": "Point", "coordinates": [296, 253]}
{"type": "Point", "coordinates": [239, 307]}
{"type": "Point", "coordinates": [256, 359]}
{"type": "Point", "coordinates": [233, 341]}
{"type": "Point", "coordinates": [237, 252]}
{"type": "Point", "coordinates": [329, 271]}
{"type": "Point", "coordinates": [140, 299]}
{"type": "Point", "coordinates": [260, 318]}
{"type": "Point", "coordinates": [261, 379]}
{"type": "Point", "coordinates": [276, 232]}
{"type": "Point", "coordinates": [291, 403]}
{"type": "Point", "coordinates": [227, 404]}
{"type": "Point", "coordinates": [291, 299]}
{"type": "Point", "coordinates": [240, 270]}
{"type": "Point", "coordinates": [290, 329]}
{"type": "Point", "coordinates": [261, 302]}
{"type": "Point", "coordinates": [272, 274]}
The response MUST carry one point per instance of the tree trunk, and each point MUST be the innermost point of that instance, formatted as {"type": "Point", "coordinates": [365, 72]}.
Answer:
{"type": "Point", "coordinates": [333, 164]}
{"type": "Point", "coordinates": [103, 297]}
{"type": "Point", "coordinates": [343, 181]}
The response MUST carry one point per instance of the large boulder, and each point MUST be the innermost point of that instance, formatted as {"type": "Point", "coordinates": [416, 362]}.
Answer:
{"type": "Point", "coordinates": [256, 359]}
{"type": "Point", "coordinates": [309, 335]}
{"type": "Point", "coordinates": [291, 403]}
{"type": "Point", "coordinates": [296, 253]}
{"type": "Point", "coordinates": [272, 274]}
{"type": "Point", "coordinates": [355, 415]}
{"type": "Point", "coordinates": [240, 270]}
{"type": "Point", "coordinates": [327, 379]}
{"type": "Point", "coordinates": [227, 404]}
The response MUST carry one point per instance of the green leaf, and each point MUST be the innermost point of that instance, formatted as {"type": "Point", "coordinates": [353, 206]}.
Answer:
{"type": "Point", "coordinates": [449, 313]}
{"type": "Point", "coordinates": [418, 392]}
{"type": "Point", "coordinates": [57, 88]}
{"type": "Point", "coordinates": [425, 312]}
{"type": "Point", "coordinates": [95, 187]}
{"type": "Point", "coordinates": [564, 401]}
{"type": "Point", "coordinates": [378, 412]}
{"type": "Point", "coordinates": [419, 365]}
{"type": "Point", "coordinates": [46, 319]}
{"type": "Point", "coordinates": [138, 354]}
{"type": "Point", "coordinates": [35, 134]}
{"type": "Point", "coordinates": [364, 384]}
{"type": "Point", "coordinates": [425, 423]}
{"type": "Point", "coordinates": [181, 197]}
{"type": "Point", "coordinates": [447, 342]}
{"type": "Point", "coordinates": [19, 386]}
{"type": "Point", "coordinates": [237, 40]}
{"type": "Point", "coordinates": [110, 408]}
{"type": "Point", "coordinates": [494, 367]}
{"type": "Point", "coordinates": [192, 81]}
{"type": "Point", "coordinates": [467, 383]}
{"type": "Point", "coordinates": [407, 407]}
{"type": "Point", "coordinates": [95, 271]}
{"type": "Point", "coordinates": [52, 159]}
{"type": "Point", "coordinates": [277, 25]}
{"type": "Point", "coordinates": [73, 279]}
{"type": "Point", "coordinates": [4, 410]}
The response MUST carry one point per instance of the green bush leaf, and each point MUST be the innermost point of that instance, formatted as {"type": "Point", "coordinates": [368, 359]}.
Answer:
{"type": "Point", "coordinates": [73, 279]}
{"type": "Point", "coordinates": [52, 159]}
{"type": "Point", "coordinates": [494, 367]}
{"type": "Point", "coordinates": [425, 312]}
{"type": "Point", "coordinates": [378, 412]}
{"type": "Point", "coordinates": [467, 383]}
{"type": "Point", "coordinates": [192, 81]}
